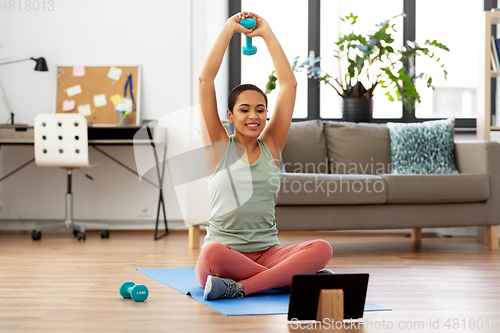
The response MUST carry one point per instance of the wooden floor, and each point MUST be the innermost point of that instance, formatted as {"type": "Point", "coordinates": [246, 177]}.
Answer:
{"type": "Point", "coordinates": [61, 285]}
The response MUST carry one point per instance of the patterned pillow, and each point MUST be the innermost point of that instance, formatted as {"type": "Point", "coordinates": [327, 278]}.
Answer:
{"type": "Point", "coordinates": [422, 148]}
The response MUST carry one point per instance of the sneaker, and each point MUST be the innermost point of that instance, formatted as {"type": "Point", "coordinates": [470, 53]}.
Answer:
{"type": "Point", "coordinates": [217, 287]}
{"type": "Point", "coordinates": [325, 271]}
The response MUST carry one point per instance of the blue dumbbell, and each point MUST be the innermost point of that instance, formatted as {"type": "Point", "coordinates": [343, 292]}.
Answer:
{"type": "Point", "coordinates": [138, 292]}
{"type": "Point", "coordinates": [249, 49]}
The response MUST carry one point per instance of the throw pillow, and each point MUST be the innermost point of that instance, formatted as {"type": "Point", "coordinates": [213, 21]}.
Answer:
{"type": "Point", "coordinates": [422, 148]}
{"type": "Point", "coordinates": [305, 148]}
{"type": "Point", "coordinates": [358, 148]}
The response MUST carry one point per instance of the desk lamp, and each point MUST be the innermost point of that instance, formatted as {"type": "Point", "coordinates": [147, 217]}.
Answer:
{"type": "Point", "coordinates": [41, 66]}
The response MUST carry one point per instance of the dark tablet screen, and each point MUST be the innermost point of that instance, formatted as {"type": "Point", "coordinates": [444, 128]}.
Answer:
{"type": "Point", "coordinates": [304, 294]}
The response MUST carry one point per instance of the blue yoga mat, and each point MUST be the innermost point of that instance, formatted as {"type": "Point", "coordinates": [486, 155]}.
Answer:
{"type": "Point", "coordinates": [273, 301]}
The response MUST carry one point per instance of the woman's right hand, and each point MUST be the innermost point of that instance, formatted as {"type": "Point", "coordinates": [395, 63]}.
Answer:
{"type": "Point", "coordinates": [234, 23]}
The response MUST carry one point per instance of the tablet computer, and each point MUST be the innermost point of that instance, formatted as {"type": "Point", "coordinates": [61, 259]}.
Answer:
{"type": "Point", "coordinates": [304, 294]}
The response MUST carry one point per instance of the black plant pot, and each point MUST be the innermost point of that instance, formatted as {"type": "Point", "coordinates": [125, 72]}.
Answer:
{"type": "Point", "coordinates": [357, 110]}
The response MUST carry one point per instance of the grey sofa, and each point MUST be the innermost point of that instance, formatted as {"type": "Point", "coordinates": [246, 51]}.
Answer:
{"type": "Point", "coordinates": [354, 159]}
{"type": "Point", "coordinates": [338, 178]}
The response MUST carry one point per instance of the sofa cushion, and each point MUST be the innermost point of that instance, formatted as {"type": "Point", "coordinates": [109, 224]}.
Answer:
{"type": "Point", "coordinates": [423, 189]}
{"type": "Point", "coordinates": [325, 189]}
{"type": "Point", "coordinates": [358, 148]}
{"type": "Point", "coordinates": [422, 148]}
{"type": "Point", "coordinates": [305, 148]}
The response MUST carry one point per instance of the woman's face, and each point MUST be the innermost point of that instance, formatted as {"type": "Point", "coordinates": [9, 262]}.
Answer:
{"type": "Point", "coordinates": [249, 114]}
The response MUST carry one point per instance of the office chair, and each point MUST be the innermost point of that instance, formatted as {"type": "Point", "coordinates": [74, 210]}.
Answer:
{"type": "Point", "coordinates": [61, 141]}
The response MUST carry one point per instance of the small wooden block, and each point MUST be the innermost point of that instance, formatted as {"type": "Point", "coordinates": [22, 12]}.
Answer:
{"type": "Point", "coordinates": [331, 305]}
{"type": "Point", "coordinates": [492, 237]}
{"type": "Point", "coordinates": [194, 236]}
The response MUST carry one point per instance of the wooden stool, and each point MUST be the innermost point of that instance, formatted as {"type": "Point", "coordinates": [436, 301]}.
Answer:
{"type": "Point", "coordinates": [331, 305]}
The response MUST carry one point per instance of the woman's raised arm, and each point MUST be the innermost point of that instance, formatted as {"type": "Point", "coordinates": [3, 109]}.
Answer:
{"type": "Point", "coordinates": [279, 124]}
{"type": "Point", "coordinates": [206, 89]}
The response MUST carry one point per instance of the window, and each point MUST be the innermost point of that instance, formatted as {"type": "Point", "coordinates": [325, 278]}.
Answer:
{"type": "Point", "coordinates": [369, 14]}
{"type": "Point", "coordinates": [316, 26]}
{"type": "Point", "coordinates": [458, 30]}
{"type": "Point", "coordinates": [288, 20]}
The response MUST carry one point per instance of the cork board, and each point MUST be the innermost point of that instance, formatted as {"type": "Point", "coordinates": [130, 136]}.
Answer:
{"type": "Point", "coordinates": [96, 82]}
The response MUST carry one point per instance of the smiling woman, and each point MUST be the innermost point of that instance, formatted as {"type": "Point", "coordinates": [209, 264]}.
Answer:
{"type": "Point", "coordinates": [241, 254]}
{"type": "Point", "coordinates": [247, 105]}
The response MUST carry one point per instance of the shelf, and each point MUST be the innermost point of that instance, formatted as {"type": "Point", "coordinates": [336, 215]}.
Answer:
{"type": "Point", "coordinates": [493, 16]}
{"type": "Point", "coordinates": [484, 93]}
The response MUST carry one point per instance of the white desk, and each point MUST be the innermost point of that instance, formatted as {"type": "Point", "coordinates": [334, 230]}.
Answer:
{"type": "Point", "coordinates": [112, 135]}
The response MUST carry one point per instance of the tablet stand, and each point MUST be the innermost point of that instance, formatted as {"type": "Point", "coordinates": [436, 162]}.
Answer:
{"type": "Point", "coordinates": [331, 305]}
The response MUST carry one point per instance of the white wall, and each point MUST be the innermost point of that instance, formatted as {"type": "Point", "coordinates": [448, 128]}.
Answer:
{"type": "Point", "coordinates": [169, 39]}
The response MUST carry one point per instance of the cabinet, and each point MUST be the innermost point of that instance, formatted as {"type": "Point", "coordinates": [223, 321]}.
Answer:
{"type": "Point", "coordinates": [484, 93]}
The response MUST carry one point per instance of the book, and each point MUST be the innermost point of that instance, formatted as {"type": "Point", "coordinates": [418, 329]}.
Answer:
{"type": "Point", "coordinates": [493, 64]}
{"type": "Point", "coordinates": [494, 48]}
{"type": "Point", "coordinates": [498, 51]}
{"type": "Point", "coordinates": [495, 51]}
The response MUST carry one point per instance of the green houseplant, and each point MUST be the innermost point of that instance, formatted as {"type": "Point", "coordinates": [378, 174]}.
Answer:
{"type": "Point", "coordinates": [369, 61]}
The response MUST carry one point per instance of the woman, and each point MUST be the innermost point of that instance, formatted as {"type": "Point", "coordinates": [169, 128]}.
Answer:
{"type": "Point", "coordinates": [241, 254]}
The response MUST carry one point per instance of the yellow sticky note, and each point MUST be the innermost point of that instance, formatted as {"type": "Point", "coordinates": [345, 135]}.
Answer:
{"type": "Point", "coordinates": [99, 100]}
{"type": "Point", "coordinates": [116, 99]}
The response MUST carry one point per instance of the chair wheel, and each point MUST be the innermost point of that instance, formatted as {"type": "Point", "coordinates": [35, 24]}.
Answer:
{"type": "Point", "coordinates": [75, 233]}
{"type": "Point", "coordinates": [36, 235]}
{"type": "Point", "coordinates": [104, 233]}
{"type": "Point", "coordinates": [80, 236]}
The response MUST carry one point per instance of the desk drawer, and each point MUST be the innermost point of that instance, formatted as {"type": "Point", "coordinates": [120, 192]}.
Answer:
{"type": "Point", "coordinates": [16, 135]}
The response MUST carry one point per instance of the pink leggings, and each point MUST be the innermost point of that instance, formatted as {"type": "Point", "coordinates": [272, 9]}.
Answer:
{"type": "Point", "coordinates": [262, 270]}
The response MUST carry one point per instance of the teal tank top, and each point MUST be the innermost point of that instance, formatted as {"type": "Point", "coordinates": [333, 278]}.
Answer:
{"type": "Point", "coordinates": [243, 198]}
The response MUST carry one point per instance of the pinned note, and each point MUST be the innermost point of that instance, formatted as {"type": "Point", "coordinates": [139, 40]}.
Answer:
{"type": "Point", "coordinates": [126, 105]}
{"type": "Point", "coordinates": [114, 73]}
{"type": "Point", "coordinates": [99, 100]}
{"type": "Point", "coordinates": [116, 99]}
{"type": "Point", "coordinates": [84, 110]}
{"type": "Point", "coordinates": [75, 90]}
{"type": "Point", "coordinates": [78, 71]}
{"type": "Point", "coordinates": [68, 105]}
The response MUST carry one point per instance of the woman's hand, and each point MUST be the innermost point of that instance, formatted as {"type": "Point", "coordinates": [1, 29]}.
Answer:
{"type": "Point", "coordinates": [262, 28]}
{"type": "Point", "coordinates": [234, 23]}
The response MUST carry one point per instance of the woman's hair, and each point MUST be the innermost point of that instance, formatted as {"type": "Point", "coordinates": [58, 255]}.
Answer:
{"type": "Point", "coordinates": [235, 93]}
